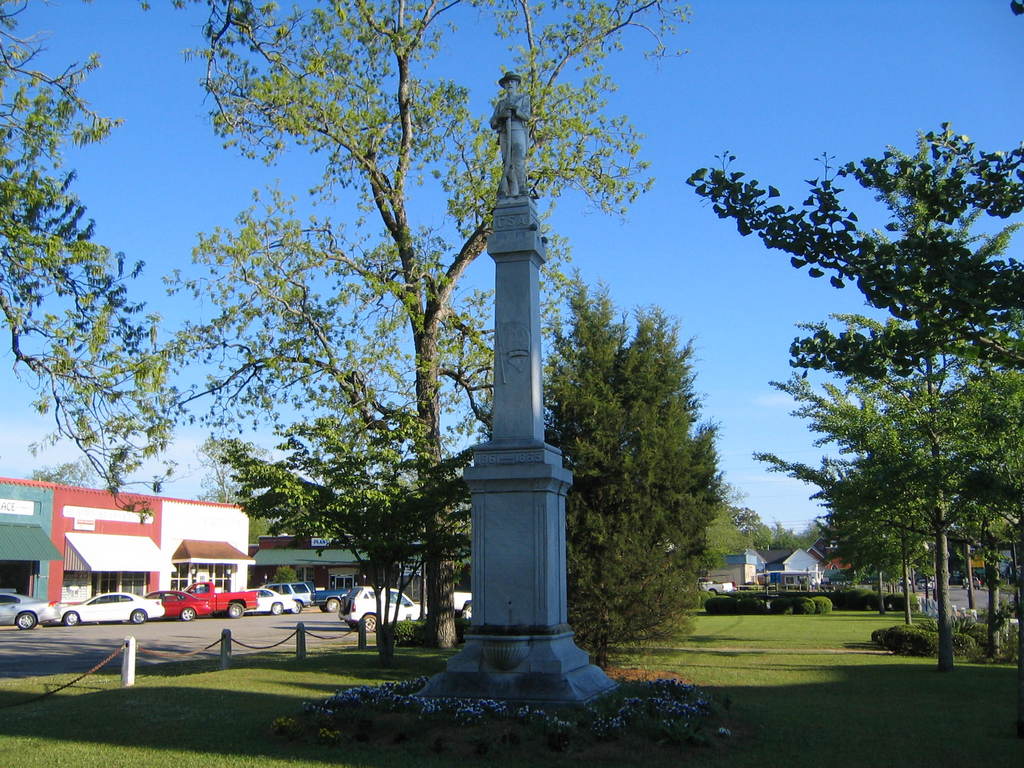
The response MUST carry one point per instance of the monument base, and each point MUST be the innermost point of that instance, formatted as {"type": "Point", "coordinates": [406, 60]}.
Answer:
{"type": "Point", "coordinates": [545, 669]}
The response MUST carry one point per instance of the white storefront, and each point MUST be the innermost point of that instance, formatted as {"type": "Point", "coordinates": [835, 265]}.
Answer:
{"type": "Point", "coordinates": [204, 541]}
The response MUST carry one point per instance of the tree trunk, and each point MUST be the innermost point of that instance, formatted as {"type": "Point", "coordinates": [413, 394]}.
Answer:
{"type": "Point", "coordinates": [440, 576]}
{"type": "Point", "coordinates": [968, 576]}
{"type": "Point", "coordinates": [945, 621]}
{"type": "Point", "coordinates": [992, 581]}
{"type": "Point", "coordinates": [908, 617]}
{"type": "Point", "coordinates": [881, 596]}
{"type": "Point", "coordinates": [1019, 573]}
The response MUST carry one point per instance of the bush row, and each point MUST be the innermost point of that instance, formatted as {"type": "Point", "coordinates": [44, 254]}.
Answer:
{"type": "Point", "coordinates": [749, 604]}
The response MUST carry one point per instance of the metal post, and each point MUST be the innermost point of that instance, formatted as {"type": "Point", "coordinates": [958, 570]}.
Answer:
{"type": "Point", "coordinates": [300, 641]}
{"type": "Point", "coordinates": [128, 663]}
{"type": "Point", "coordinates": [225, 649]}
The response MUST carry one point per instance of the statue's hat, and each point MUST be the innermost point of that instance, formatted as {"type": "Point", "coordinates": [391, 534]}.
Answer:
{"type": "Point", "coordinates": [509, 77]}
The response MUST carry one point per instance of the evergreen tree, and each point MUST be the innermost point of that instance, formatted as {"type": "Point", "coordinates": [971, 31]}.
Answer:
{"type": "Point", "coordinates": [646, 486]}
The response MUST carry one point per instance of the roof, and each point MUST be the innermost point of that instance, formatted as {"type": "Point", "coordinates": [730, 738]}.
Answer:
{"type": "Point", "coordinates": [24, 541]}
{"type": "Point", "coordinates": [108, 552]}
{"type": "Point", "coordinates": [282, 556]}
{"type": "Point", "coordinates": [127, 495]}
{"type": "Point", "coordinates": [193, 550]}
{"type": "Point", "coordinates": [773, 556]}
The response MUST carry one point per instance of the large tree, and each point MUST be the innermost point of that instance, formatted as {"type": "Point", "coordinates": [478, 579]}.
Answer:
{"type": "Point", "coordinates": [73, 332]}
{"type": "Point", "coordinates": [954, 289]}
{"type": "Point", "coordinates": [361, 307]}
{"type": "Point", "coordinates": [903, 474]}
{"type": "Point", "coordinates": [368, 492]}
{"type": "Point", "coordinates": [622, 407]}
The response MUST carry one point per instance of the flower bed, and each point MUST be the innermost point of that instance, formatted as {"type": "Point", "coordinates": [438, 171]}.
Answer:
{"type": "Point", "coordinates": [662, 711]}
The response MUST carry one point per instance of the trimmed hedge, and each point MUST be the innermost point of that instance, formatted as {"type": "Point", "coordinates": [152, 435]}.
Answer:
{"type": "Point", "coordinates": [720, 605]}
{"type": "Point", "coordinates": [804, 606]}
{"type": "Point", "coordinates": [921, 641]}
{"type": "Point", "coordinates": [751, 605]}
{"type": "Point", "coordinates": [822, 604]}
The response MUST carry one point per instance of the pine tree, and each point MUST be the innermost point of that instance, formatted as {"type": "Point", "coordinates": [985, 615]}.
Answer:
{"type": "Point", "coordinates": [622, 408]}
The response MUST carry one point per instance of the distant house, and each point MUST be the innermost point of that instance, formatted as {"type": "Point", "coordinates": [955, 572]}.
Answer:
{"type": "Point", "coordinates": [739, 569]}
{"type": "Point", "coordinates": [789, 568]}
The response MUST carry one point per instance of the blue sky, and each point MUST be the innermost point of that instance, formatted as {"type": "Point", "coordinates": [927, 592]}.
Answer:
{"type": "Point", "coordinates": [776, 83]}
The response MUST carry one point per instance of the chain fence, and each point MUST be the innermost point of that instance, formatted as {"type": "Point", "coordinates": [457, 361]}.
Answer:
{"type": "Point", "coordinates": [226, 637]}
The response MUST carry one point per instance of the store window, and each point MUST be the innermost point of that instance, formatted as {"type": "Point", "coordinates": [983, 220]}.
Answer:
{"type": "Point", "coordinates": [304, 573]}
{"type": "Point", "coordinates": [341, 582]}
{"type": "Point", "coordinates": [220, 575]}
{"type": "Point", "coordinates": [181, 577]}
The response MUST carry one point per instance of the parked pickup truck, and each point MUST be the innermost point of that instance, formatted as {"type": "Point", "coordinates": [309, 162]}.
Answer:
{"type": "Point", "coordinates": [717, 587]}
{"type": "Point", "coordinates": [231, 604]}
{"type": "Point", "coordinates": [329, 600]}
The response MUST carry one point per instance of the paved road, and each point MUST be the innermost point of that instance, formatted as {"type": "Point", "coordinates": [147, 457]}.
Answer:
{"type": "Point", "coordinates": [55, 650]}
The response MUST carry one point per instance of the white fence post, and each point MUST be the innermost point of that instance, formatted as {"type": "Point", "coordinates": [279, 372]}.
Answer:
{"type": "Point", "coordinates": [128, 663]}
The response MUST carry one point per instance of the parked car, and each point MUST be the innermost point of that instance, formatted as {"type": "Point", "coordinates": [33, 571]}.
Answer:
{"type": "Point", "coordinates": [361, 603]}
{"type": "Point", "coordinates": [181, 605]}
{"type": "Point", "coordinates": [25, 612]}
{"type": "Point", "coordinates": [717, 587]}
{"type": "Point", "coordinates": [301, 591]}
{"type": "Point", "coordinates": [269, 601]}
{"type": "Point", "coordinates": [112, 606]}
{"type": "Point", "coordinates": [230, 604]}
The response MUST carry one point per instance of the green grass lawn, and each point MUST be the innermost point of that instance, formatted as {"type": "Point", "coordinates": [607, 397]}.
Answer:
{"type": "Point", "coordinates": [802, 691]}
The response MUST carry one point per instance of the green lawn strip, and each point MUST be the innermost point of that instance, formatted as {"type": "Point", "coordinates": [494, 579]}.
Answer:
{"type": "Point", "coordinates": [839, 630]}
{"type": "Point", "coordinates": [795, 707]}
{"type": "Point", "coordinates": [177, 716]}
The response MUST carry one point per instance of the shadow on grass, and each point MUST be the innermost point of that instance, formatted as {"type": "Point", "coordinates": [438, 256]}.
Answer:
{"type": "Point", "coordinates": [866, 710]}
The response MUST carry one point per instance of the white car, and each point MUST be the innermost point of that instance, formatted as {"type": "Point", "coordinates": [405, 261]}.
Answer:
{"type": "Point", "coordinates": [25, 612]}
{"type": "Point", "coordinates": [112, 606]}
{"type": "Point", "coordinates": [361, 603]}
{"type": "Point", "coordinates": [269, 601]}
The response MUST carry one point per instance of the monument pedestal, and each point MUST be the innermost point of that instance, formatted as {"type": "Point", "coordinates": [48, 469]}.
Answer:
{"type": "Point", "coordinates": [519, 647]}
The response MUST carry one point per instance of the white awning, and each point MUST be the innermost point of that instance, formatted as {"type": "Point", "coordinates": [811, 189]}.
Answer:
{"type": "Point", "coordinates": [106, 552]}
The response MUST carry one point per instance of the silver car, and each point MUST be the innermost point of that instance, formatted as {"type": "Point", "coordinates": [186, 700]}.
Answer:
{"type": "Point", "coordinates": [25, 612]}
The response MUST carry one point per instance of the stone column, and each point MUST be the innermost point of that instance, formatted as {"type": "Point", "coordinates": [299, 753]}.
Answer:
{"type": "Point", "coordinates": [520, 646]}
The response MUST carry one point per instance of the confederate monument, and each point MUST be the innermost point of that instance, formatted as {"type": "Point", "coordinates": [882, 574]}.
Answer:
{"type": "Point", "coordinates": [520, 645]}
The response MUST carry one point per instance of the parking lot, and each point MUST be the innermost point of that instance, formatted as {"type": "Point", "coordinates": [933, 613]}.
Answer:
{"type": "Point", "coordinates": [52, 650]}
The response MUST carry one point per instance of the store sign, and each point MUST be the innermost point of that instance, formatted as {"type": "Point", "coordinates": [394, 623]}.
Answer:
{"type": "Point", "coordinates": [85, 523]}
{"type": "Point", "coordinates": [314, 543]}
{"type": "Point", "coordinates": [17, 507]}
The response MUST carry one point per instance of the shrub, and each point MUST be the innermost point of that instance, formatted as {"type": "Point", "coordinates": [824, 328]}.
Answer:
{"type": "Point", "coordinates": [752, 605]}
{"type": "Point", "coordinates": [910, 641]}
{"type": "Point", "coordinates": [782, 605]}
{"type": "Point", "coordinates": [878, 637]}
{"type": "Point", "coordinates": [896, 602]}
{"type": "Point", "coordinates": [702, 597]}
{"type": "Point", "coordinates": [964, 645]}
{"type": "Point", "coordinates": [410, 634]}
{"type": "Point", "coordinates": [804, 606]}
{"type": "Point", "coordinates": [822, 604]}
{"type": "Point", "coordinates": [720, 605]}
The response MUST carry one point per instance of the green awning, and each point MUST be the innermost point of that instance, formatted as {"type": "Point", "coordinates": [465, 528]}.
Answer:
{"type": "Point", "coordinates": [304, 557]}
{"type": "Point", "coordinates": [20, 541]}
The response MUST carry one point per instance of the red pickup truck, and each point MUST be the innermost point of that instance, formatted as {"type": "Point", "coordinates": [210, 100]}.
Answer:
{"type": "Point", "coordinates": [232, 604]}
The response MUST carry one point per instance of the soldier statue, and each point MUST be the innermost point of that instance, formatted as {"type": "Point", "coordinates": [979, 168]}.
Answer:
{"type": "Point", "coordinates": [511, 114]}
